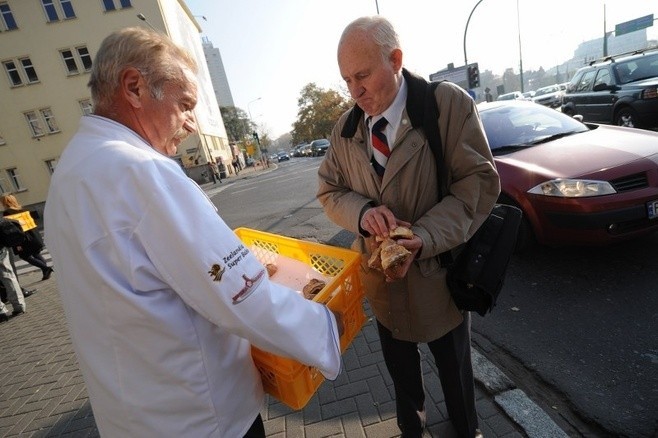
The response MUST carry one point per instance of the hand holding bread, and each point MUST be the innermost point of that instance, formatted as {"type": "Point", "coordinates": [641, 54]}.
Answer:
{"type": "Point", "coordinates": [390, 255]}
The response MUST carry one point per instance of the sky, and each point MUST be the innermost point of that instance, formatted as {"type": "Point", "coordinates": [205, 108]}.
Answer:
{"type": "Point", "coordinates": [271, 49]}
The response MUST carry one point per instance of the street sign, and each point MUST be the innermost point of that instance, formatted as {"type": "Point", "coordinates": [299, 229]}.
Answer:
{"type": "Point", "coordinates": [633, 25]}
{"type": "Point", "coordinates": [458, 75]}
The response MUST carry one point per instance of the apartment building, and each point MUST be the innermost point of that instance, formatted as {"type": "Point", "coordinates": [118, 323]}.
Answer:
{"type": "Point", "coordinates": [46, 51]}
{"type": "Point", "coordinates": [217, 73]}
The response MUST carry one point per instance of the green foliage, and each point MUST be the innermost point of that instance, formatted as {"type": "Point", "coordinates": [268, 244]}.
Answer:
{"type": "Point", "coordinates": [237, 123]}
{"type": "Point", "coordinates": [319, 110]}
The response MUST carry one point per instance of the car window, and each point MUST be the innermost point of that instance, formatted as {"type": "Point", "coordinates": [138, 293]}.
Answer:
{"type": "Point", "coordinates": [571, 86]}
{"type": "Point", "coordinates": [547, 90]}
{"type": "Point", "coordinates": [585, 83]}
{"type": "Point", "coordinates": [524, 125]}
{"type": "Point", "coordinates": [602, 77]}
{"type": "Point", "coordinates": [646, 67]}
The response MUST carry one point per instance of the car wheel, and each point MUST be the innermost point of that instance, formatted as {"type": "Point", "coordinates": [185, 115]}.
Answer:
{"type": "Point", "coordinates": [627, 117]}
{"type": "Point", "coordinates": [568, 111]}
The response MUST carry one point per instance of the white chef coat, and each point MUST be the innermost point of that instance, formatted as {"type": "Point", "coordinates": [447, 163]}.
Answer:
{"type": "Point", "coordinates": [162, 299]}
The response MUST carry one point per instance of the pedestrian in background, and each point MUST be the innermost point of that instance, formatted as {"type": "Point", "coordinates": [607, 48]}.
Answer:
{"type": "Point", "coordinates": [380, 173]}
{"type": "Point", "coordinates": [487, 95]}
{"type": "Point", "coordinates": [30, 251]}
{"type": "Point", "coordinates": [162, 299]}
{"type": "Point", "coordinates": [8, 278]}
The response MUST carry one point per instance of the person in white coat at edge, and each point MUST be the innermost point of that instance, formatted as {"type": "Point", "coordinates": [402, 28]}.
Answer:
{"type": "Point", "coordinates": [162, 300]}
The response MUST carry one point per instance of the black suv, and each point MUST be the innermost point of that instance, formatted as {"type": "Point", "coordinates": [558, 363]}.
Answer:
{"type": "Point", "coordinates": [620, 90]}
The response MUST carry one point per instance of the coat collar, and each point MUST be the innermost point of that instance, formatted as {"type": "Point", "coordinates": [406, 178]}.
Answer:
{"type": "Point", "coordinates": [416, 87]}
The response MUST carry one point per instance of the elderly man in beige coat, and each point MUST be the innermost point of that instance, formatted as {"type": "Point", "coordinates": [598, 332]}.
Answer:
{"type": "Point", "coordinates": [414, 305]}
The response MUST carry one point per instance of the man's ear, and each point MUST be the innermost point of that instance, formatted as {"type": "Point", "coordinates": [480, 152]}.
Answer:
{"type": "Point", "coordinates": [396, 59]}
{"type": "Point", "coordinates": [132, 86]}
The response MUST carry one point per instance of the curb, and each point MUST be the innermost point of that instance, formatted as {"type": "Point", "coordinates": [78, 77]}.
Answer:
{"type": "Point", "coordinates": [516, 404]}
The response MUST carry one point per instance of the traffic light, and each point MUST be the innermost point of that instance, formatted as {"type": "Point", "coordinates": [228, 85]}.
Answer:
{"type": "Point", "coordinates": [473, 76]}
{"type": "Point", "coordinates": [255, 135]}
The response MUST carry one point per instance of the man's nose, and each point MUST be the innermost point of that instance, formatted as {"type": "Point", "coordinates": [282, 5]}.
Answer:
{"type": "Point", "coordinates": [190, 125]}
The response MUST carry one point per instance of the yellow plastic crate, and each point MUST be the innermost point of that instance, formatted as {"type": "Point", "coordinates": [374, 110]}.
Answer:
{"type": "Point", "coordinates": [285, 379]}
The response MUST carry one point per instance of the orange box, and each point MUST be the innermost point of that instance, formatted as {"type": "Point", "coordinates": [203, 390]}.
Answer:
{"type": "Point", "coordinates": [25, 219]}
{"type": "Point", "coordinates": [286, 379]}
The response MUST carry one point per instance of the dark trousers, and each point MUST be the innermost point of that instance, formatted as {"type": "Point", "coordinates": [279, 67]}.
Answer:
{"type": "Point", "coordinates": [257, 430]}
{"type": "Point", "coordinates": [452, 355]}
{"type": "Point", "coordinates": [36, 260]}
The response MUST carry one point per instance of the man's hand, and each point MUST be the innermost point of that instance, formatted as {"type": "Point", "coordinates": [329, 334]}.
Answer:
{"type": "Point", "coordinates": [414, 245]}
{"type": "Point", "coordinates": [378, 221]}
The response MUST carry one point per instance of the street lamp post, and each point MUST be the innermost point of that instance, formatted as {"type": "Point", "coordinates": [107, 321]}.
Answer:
{"type": "Point", "coordinates": [143, 18]}
{"type": "Point", "coordinates": [518, 23]}
{"type": "Point", "coordinates": [249, 106]}
{"type": "Point", "coordinates": [466, 30]}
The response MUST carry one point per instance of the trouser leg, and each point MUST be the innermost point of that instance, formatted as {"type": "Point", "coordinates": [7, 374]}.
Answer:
{"type": "Point", "coordinates": [36, 260]}
{"type": "Point", "coordinates": [10, 282]}
{"type": "Point", "coordinates": [257, 429]}
{"type": "Point", "coordinates": [452, 355]}
{"type": "Point", "coordinates": [402, 360]}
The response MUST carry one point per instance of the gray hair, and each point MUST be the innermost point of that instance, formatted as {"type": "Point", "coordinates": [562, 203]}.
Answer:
{"type": "Point", "coordinates": [154, 54]}
{"type": "Point", "coordinates": [379, 29]}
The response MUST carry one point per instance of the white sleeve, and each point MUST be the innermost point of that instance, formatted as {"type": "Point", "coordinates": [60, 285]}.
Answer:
{"type": "Point", "coordinates": [198, 256]}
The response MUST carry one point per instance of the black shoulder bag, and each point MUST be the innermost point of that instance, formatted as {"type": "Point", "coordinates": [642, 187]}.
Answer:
{"type": "Point", "coordinates": [475, 277]}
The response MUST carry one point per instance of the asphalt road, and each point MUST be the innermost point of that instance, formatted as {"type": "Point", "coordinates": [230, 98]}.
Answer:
{"type": "Point", "coordinates": [575, 327]}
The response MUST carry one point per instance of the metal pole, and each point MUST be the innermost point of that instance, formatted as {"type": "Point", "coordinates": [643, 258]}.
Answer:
{"type": "Point", "coordinates": [518, 23]}
{"type": "Point", "coordinates": [605, 35]}
{"type": "Point", "coordinates": [249, 107]}
{"type": "Point", "coordinates": [466, 30]}
{"type": "Point", "coordinates": [377, 6]}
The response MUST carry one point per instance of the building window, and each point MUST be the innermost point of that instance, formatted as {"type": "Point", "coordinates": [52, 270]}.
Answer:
{"type": "Point", "coordinates": [20, 71]}
{"type": "Point", "coordinates": [51, 123]}
{"type": "Point", "coordinates": [55, 8]}
{"type": "Point", "coordinates": [51, 164]}
{"type": "Point", "coordinates": [111, 5]}
{"type": "Point", "coordinates": [76, 59]}
{"type": "Point", "coordinates": [15, 179]}
{"type": "Point", "coordinates": [7, 21]}
{"type": "Point", "coordinates": [41, 122]}
{"type": "Point", "coordinates": [86, 106]}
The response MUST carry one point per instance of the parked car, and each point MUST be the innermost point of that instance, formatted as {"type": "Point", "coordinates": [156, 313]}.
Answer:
{"type": "Point", "coordinates": [576, 183]}
{"type": "Point", "coordinates": [550, 96]}
{"type": "Point", "coordinates": [306, 150]}
{"type": "Point", "coordinates": [282, 156]}
{"type": "Point", "coordinates": [510, 96]}
{"type": "Point", "coordinates": [299, 150]}
{"type": "Point", "coordinates": [528, 95]}
{"type": "Point", "coordinates": [622, 90]}
{"type": "Point", "coordinates": [319, 147]}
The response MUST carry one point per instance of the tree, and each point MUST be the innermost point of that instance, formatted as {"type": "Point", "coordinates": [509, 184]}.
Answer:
{"type": "Point", "coordinates": [237, 123]}
{"type": "Point", "coordinates": [319, 110]}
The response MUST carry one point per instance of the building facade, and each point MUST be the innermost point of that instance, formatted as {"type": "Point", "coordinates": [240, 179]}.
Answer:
{"type": "Point", "coordinates": [46, 51]}
{"type": "Point", "coordinates": [217, 73]}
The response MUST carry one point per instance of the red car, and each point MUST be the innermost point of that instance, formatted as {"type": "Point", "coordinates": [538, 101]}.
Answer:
{"type": "Point", "coordinates": [576, 183]}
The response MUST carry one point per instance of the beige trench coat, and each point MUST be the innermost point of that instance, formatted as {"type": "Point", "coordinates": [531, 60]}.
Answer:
{"type": "Point", "coordinates": [417, 308]}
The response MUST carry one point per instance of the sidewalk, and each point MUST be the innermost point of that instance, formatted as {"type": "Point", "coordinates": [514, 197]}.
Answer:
{"type": "Point", "coordinates": [42, 393]}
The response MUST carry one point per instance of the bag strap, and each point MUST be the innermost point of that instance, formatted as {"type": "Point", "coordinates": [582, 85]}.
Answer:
{"type": "Point", "coordinates": [431, 128]}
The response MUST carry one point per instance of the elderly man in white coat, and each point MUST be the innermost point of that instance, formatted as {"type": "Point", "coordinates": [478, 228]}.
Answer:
{"type": "Point", "coordinates": [162, 299]}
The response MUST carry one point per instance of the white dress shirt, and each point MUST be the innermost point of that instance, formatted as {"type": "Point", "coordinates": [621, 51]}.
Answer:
{"type": "Point", "coordinates": [162, 299]}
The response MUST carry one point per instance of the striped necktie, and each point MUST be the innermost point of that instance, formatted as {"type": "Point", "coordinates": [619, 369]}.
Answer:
{"type": "Point", "coordinates": [380, 149]}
